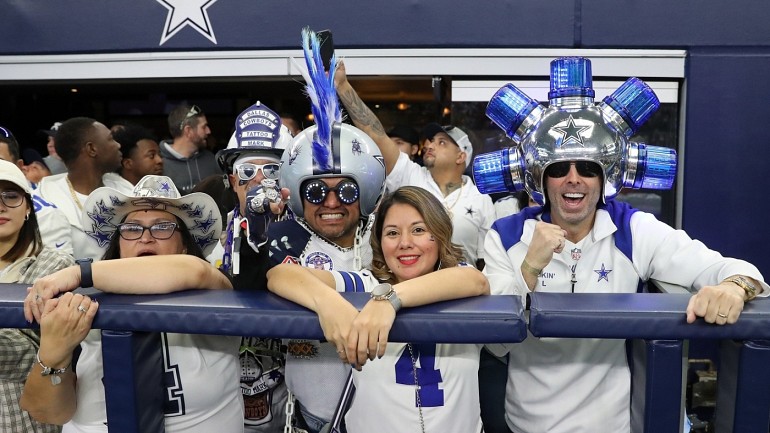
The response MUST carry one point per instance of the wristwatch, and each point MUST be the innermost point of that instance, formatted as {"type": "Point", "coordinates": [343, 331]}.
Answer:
{"type": "Point", "coordinates": [745, 284]}
{"type": "Point", "coordinates": [86, 278]}
{"type": "Point", "coordinates": [385, 292]}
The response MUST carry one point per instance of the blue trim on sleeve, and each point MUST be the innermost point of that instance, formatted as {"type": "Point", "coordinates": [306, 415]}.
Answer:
{"type": "Point", "coordinates": [350, 286]}
{"type": "Point", "coordinates": [358, 282]}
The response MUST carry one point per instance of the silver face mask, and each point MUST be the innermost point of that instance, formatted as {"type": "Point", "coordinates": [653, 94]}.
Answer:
{"type": "Point", "coordinates": [574, 128]}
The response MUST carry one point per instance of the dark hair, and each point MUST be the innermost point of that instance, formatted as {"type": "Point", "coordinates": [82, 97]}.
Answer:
{"type": "Point", "coordinates": [128, 135]}
{"type": "Point", "coordinates": [71, 136]}
{"type": "Point", "coordinates": [178, 118]}
{"type": "Point", "coordinates": [192, 247]}
{"type": "Point", "coordinates": [436, 219]}
{"type": "Point", "coordinates": [13, 145]}
{"type": "Point", "coordinates": [29, 235]}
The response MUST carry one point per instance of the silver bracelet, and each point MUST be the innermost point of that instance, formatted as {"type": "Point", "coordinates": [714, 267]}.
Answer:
{"type": "Point", "coordinates": [48, 371]}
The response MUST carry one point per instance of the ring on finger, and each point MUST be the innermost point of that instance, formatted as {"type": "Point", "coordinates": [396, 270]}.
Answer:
{"type": "Point", "coordinates": [341, 351]}
{"type": "Point", "coordinates": [724, 316]}
{"type": "Point", "coordinates": [82, 309]}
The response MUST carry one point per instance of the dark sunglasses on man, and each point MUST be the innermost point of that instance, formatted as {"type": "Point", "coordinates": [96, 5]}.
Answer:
{"type": "Point", "coordinates": [316, 190]}
{"type": "Point", "coordinates": [584, 169]}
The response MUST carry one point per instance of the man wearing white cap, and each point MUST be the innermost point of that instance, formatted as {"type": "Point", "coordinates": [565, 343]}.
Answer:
{"type": "Point", "coordinates": [446, 155]}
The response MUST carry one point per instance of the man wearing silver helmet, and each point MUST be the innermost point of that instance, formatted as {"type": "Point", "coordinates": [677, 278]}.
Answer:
{"type": "Point", "coordinates": [574, 158]}
{"type": "Point", "coordinates": [336, 176]}
{"type": "Point", "coordinates": [250, 164]}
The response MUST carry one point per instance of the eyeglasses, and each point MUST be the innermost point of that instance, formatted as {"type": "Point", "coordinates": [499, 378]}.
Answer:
{"type": "Point", "coordinates": [584, 169]}
{"type": "Point", "coordinates": [315, 191]}
{"type": "Point", "coordinates": [248, 171]}
{"type": "Point", "coordinates": [133, 231]}
{"type": "Point", "coordinates": [5, 132]}
{"type": "Point", "coordinates": [11, 198]}
{"type": "Point", "coordinates": [194, 111]}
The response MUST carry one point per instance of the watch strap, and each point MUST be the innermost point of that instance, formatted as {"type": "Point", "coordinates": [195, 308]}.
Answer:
{"type": "Point", "coordinates": [743, 283]}
{"type": "Point", "coordinates": [86, 277]}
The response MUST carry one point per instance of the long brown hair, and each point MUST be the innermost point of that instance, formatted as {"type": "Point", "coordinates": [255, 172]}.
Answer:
{"type": "Point", "coordinates": [436, 220]}
{"type": "Point", "coordinates": [29, 235]}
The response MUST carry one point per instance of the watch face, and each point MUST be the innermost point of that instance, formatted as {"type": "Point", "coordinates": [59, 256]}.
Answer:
{"type": "Point", "coordinates": [381, 289]}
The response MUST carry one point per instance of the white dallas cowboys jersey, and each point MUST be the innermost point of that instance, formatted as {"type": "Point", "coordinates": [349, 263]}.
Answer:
{"type": "Point", "coordinates": [314, 372]}
{"type": "Point", "coordinates": [201, 375]}
{"type": "Point", "coordinates": [386, 393]}
{"type": "Point", "coordinates": [579, 385]}
{"type": "Point", "coordinates": [472, 212]}
{"type": "Point", "coordinates": [56, 190]}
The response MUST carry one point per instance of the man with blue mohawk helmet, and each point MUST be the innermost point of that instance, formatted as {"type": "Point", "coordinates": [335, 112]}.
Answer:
{"type": "Point", "coordinates": [336, 176]}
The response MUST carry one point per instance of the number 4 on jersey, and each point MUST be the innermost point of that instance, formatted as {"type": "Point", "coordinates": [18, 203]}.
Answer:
{"type": "Point", "coordinates": [428, 377]}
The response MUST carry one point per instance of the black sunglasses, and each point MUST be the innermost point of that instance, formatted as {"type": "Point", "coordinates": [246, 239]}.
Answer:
{"type": "Point", "coordinates": [584, 169]}
{"type": "Point", "coordinates": [315, 191]}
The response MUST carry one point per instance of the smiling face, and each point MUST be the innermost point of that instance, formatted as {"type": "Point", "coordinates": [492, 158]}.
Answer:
{"type": "Point", "coordinates": [332, 219]}
{"type": "Point", "coordinates": [147, 245]}
{"type": "Point", "coordinates": [573, 198]}
{"type": "Point", "coordinates": [410, 250]}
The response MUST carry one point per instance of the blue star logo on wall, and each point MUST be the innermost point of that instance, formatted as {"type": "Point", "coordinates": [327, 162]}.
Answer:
{"type": "Point", "coordinates": [182, 13]}
{"type": "Point", "coordinates": [603, 273]}
{"type": "Point", "coordinates": [571, 132]}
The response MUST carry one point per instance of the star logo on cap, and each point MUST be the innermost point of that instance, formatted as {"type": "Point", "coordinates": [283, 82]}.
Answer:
{"type": "Point", "coordinates": [571, 132]}
{"type": "Point", "coordinates": [182, 13]}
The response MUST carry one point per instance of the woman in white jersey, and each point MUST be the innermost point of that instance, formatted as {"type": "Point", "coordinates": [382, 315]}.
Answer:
{"type": "Point", "coordinates": [157, 241]}
{"type": "Point", "coordinates": [405, 387]}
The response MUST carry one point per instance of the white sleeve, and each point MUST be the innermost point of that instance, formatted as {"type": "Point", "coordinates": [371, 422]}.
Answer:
{"type": "Point", "coordinates": [55, 229]}
{"type": "Point", "coordinates": [399, 176]}
{"type": "Point", "coordinates": [488, 218]}
{"type": "Point", "coordinates": [663, 253]}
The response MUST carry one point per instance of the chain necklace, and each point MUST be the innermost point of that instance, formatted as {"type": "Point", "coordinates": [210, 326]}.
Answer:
{"type": "Point", "coordinates": [459, 195]}
{"type": "Point", "coordinates": [416, 386]}
{"type": "Point", "coordinates": [74, 194]}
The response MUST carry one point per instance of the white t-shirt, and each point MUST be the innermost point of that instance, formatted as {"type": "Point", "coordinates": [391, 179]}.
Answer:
{"type": "Point", "coordinates": [472, 212]}
{"type": "Point", "coordinates": [386, 394]}
{"type": "Point", "coordinates": [202, 378]}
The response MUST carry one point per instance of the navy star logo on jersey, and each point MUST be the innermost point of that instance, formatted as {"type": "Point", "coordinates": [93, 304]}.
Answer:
{"type": "Point", "coordinates": [603, 273]}
{"type": "Point", "coordinates": [571, 132]}
{"type": "Point", "coordinates": [183, 13]}
{"type": "Point", "coordinates": [469, 211]}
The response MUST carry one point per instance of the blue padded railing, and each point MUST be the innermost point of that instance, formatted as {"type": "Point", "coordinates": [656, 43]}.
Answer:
{"type": "Point", "coordinates": [743, 402]}
{"type": "Point", "coordinates": [130, 324]}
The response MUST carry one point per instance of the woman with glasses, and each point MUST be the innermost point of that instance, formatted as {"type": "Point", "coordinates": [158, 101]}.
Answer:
{"type": "Point", "coordinates": [149, 234]}
{"type": "Point", "coordinates": [23, 259]}
{"type": "Point", "coordinates": [402, 386]}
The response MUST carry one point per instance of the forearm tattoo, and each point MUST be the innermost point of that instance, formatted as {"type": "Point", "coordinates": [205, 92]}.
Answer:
{"type": "Point", "coordinates": [361, 115]}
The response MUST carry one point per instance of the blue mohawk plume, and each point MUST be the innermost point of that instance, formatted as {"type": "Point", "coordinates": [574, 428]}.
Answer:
{"type": "Point", "coordinates": [323, 97]}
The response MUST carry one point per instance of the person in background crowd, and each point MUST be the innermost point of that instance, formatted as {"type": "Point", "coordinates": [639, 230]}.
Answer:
{"type": "Point", "coordinates": [91, 156]}
{"type": "Point", "coordinates": [34, 167]}
{"type": "Point", "coordinates": [141, 153]}
{"type": "Point", "coordinates": [186, 160]}
{"type": "Point", "coordinates": [291, 123]}
{"type": "Point", "coordinates": [414, 264]}
{"type": "Point", "coordinates": [155, 246]}
{"type": "Point", "coordinates": [23, 259]}
{"type": "Point", "coordinates": [407, 139]}
{"type": "Point", "coordinates": [446, 156]}
{"type": "Point", "coordinates": [53, 161]}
